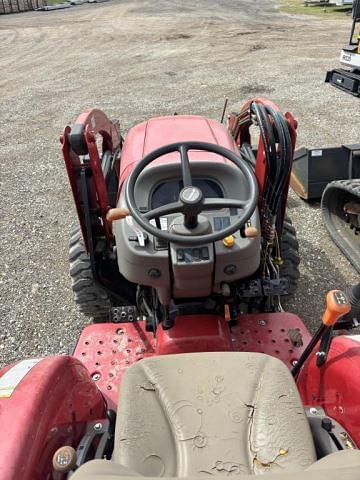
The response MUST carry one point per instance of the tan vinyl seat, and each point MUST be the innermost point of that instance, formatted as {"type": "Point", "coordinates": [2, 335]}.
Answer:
{"type": "Point", "coordinates": [344, 465]}
{"type": "Point", "coordinates": [204, 414]}
{"type": "Point", "coordinates": [207, 414]}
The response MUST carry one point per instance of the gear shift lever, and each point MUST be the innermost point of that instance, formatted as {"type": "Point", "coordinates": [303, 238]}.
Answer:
{"type": "Point", "coordinates": [337, 305]}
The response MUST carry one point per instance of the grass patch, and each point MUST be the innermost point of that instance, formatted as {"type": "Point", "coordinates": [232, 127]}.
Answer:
{"type": "Point", "coordinates": [53, 2]}
{"type": "Point", "coordinates": [297, 6]}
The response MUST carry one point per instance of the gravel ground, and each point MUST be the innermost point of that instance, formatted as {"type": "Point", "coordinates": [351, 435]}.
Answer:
{"type": "Point", "coordinates": [135, 59]}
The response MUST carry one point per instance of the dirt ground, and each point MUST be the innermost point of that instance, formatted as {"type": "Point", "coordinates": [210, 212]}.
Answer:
{"type": "Point", "coordinates": [136, 59]}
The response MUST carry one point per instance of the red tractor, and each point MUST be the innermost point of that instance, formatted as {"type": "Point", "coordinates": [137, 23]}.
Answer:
{"type": "Point", "coordinates": [191, 367]}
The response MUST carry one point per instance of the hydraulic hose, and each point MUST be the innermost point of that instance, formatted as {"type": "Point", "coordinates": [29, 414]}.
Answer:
{"type": "Point", "coordinates": [277, 143]}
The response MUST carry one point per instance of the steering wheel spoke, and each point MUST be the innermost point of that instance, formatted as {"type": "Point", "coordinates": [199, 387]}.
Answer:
{"type": "Point", "coordinates": [168, 209]}
{"type": "Point", "coordinates": [185, 166]}
{"type": "Point", "coordinates": [218, 203]}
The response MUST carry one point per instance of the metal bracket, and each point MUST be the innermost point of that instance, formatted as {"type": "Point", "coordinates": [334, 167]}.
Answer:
{"type": "Point", "coordinates": [329, 436]}
{"type": "Point", "coordinates": [104, 429]}
{"type": "Point", "coordinates": [264, 288]}
{"type": "Point", "coordinates": [124, 314]}
{"type": "Point", "coordinates": [325, 343]}
{"type": "Point", "coordinates": [87, 219]}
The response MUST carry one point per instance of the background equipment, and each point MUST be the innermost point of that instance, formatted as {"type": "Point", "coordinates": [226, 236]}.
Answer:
{"type": "Point", "coordinates": [349, 80]}
{"type": "Point", "coordinates": [334, 173]}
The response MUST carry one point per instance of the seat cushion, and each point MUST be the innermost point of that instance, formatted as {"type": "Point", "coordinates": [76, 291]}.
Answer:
{"type": "Point", "coordinates": [211, 414]}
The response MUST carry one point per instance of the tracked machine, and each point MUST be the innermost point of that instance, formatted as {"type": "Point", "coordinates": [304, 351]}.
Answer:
{"type": "Point", "coordinates": [341, 198]}
{"type": "Point", "coordinates": [192, 367]}
{"type": "Point", "coordinates": [333, 174]}
{"type": "Point", "coordinates": [348, 80]}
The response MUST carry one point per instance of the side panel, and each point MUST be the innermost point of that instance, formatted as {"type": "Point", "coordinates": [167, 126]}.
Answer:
{"type": "Point", "coordinates": [336, 385]}
{"type": "Point", "coordinates": [201, 333]}
{"type": "Point", "coordinates": [350, 59]}
{"type": "Point", "coordinates": [42, 407]}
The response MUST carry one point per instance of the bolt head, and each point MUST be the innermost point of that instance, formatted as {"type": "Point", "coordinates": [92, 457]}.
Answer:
{"type": "Point", "coordinates": [98, 426]}
{"type": "Point", "coordinates": [96, 377]}
{"type": "Point", "coordinates": [230, 269]}
{"type": "Point", "coordinates": [262, 322]}
{"type": "Point", "coordinates": [154, 273]}
{"type": "Point", "coordinates": [314, 411]}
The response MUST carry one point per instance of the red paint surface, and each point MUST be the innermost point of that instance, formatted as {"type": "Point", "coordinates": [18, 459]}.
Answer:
{"type": "Point", "coordinates": [268, 333]}
{"type": "Point", "coordinates": [157, 132]}
{"type": "Point", "coordinates": [48, 409]}
{"type": "Point", "coordinates": [97, 122]}
{"type": "Point", "coordinates": [51, 405]}
{"type": "Point", "coordinates": [198, 333]}
{"type": "Point", "coordinates": [336, 385]}
{"type": "Point", "coordinates": [109, 349]}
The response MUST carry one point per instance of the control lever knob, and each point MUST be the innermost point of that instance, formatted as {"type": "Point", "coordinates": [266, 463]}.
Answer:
{"type": "Point", "coordinates": [64, 459]}
{"type": "Point", "coordinates": [337, 305]}
{"type": "Point", "coordinates": [251, 232]}
{"type": "Point", "coordinates": [116, 214]}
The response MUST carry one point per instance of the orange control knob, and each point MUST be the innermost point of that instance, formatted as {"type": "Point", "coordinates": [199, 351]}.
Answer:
{"type": "Point", "coordinates": [251, 232]}
{"type": "Point", "coordinates": [337, 305]}
{"type": "Point", "coordinates": [64, 459]}
{"type": "Point", "coordinates": [229, 241]}
{"type": "Point", "coordinates": [116, 214]}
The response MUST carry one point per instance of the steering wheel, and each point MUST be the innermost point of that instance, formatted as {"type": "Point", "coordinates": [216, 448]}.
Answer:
{"type": "Point", "coordinates": [191, 200]}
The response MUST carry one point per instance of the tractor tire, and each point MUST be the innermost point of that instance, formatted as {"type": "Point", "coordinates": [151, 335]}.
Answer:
{"type": "Point", "coordinates": [91, 299]}
{"type": "Point", "coordinates": [290, 254]}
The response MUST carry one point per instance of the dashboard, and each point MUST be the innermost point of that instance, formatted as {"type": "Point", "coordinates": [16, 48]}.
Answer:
{"type": "Point", "coordinates": [175, 270]}
{"type": "Point", "coordinates": [169, 191]}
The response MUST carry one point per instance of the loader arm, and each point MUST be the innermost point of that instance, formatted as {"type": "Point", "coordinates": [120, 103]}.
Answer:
{"type": "Point", "coordinates": [85, 169]}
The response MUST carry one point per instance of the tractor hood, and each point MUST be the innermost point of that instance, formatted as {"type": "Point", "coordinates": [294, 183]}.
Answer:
{"type": "Point", "coordinates": [157, 132]}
